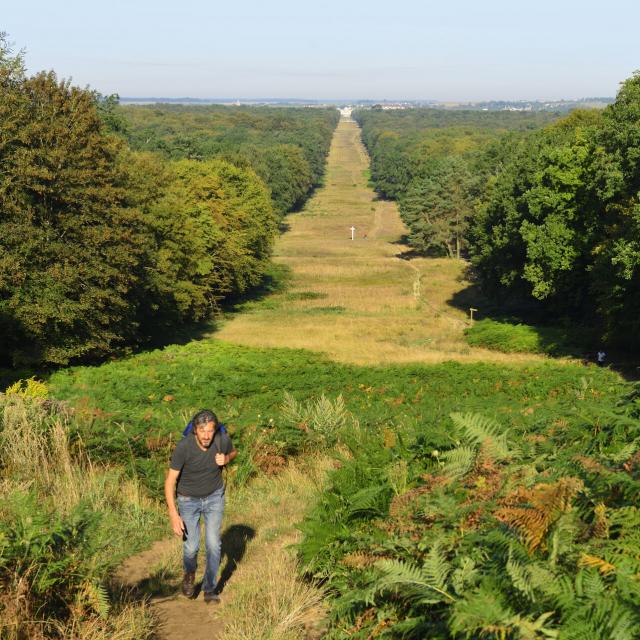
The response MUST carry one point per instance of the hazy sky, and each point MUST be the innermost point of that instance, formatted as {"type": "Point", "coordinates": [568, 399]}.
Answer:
{"type": "Point", "coordinates": [444, 50]}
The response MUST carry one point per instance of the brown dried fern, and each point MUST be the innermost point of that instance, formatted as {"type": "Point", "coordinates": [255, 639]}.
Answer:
{"type": "Point", "coordinates": [600, 528]}
{"type": "Point", "coordinates": [359, 560]}
{"type": "Point", "coordinates": [535, 510]}
{"type": "Point", "coordinates": [593, 562]}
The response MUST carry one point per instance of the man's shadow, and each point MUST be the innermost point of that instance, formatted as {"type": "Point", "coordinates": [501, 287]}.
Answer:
{"type": "Point", "coordinates": [234, 546]}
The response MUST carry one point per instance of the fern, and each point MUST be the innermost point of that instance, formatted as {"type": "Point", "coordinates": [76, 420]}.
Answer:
{"type": "Point", "coordinates": [96, 596]}
{"type": "Point", "coordinates": [476, 429]}
{"type": "Point", "coordinates": [589, 585]}
{"type": "Point", "coordinates": [436, 568]}
{"type": "Point", "coordinates": [534, 629]}
{"type": "Point", "coordinates": [565, 531]}
{"type": "Point", "coordinates": [367, 501]}
{"type": "Point", "coordinates": [541, 577]}
{"type": "Point", "coordinates": [459, 461]}
{"type": "Point", "coordinates": [593, 562]}
{"type": "Point", "coordinates": [425, 585]}
{"type": "Point", "coordinates": [623, 454]}
{"type": "Point", "coordinates": [601, 618]}
{"type": "Point", "coordinates": [464, 576]}
{"type": "Point", "coordinates": [545, 504]}
{"type": "Point", "coordinates": [520, 577]}
{"type": "Point", "coordinates": [481, 613]}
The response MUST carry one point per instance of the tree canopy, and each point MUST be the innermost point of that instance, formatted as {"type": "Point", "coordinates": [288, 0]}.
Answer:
{"type": "Point", "coordinates": [560, 225]}
{"type": "Point", "coordinates": [104, 245]}
{"type": "Point", "coordinates": [437, 164]}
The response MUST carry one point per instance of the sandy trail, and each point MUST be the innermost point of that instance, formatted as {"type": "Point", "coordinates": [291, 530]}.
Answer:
{"type": "Point", "coordinates": [178, 617]}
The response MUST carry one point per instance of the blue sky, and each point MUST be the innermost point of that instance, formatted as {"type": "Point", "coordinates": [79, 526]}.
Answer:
{"type": "Point", "coordinates": [446, 50]}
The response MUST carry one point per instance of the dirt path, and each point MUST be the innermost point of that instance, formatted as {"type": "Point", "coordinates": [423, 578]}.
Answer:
{"type": "Point", "coordinates": [366, 301]}
{"type": "Point", "coordinates": [156, 574]}
{"type": "Point", "coordinates": [262, 596]}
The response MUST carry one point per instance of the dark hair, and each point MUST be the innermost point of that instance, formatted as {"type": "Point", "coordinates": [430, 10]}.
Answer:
{"type": "Point", "coordinates": [204, 417]}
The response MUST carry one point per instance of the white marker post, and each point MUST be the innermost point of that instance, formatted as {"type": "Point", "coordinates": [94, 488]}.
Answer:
{"type": "Point", "coordinates": [353, 230]}
{"type": "Point", "coordinates": [471, 310]}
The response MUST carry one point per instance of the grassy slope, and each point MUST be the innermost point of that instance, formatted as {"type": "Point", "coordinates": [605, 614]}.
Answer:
{"type": "Point", "coordinates": [353, 301]}
{"type": "Point", "coordinates": [65, 524]}
{"type": "Point", "coordinates": [130, 405]}
{"type": "Point", "coordinates": [395, 351]}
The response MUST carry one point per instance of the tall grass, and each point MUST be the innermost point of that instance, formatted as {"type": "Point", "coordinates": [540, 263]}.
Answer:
{"type": "Point", "coordinates": [64, 524]}
{"type": "Point", "coordinates": [268, 600]}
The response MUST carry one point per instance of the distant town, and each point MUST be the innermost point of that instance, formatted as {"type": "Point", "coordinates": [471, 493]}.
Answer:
{"type": "Point", "coordinates": [492, 105]}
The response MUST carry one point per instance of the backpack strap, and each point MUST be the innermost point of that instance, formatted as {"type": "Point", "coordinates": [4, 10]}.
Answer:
{"type": "Point", "coordinates": [189, 428]}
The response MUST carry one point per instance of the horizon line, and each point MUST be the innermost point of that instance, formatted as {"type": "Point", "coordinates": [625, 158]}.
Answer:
{"type": "Point", "coordinates": [359, 100]}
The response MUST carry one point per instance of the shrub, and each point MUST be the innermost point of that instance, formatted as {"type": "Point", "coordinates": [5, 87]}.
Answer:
{"type": "Point", "coordinates": [499, 533]}
{"type": "Point", "coordinates": [516, 337]}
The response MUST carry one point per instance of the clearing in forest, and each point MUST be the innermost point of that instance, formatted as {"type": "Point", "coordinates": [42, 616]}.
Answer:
{"type": "Point", "coordinates": [362, 301]}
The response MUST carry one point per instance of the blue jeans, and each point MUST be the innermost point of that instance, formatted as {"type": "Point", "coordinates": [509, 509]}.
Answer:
{"type": "Point", "coordinates": [210, 508]}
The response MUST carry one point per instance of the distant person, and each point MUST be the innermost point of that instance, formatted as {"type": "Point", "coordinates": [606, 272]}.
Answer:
{"type": "Point", "coordinates": [195, 472]}
{"type": "Point", "coordinates": [600, 358]}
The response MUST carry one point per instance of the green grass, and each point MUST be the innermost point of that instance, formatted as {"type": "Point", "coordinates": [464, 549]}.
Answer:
{"type": "Point", "coordinates": [514, 337]}
{"type": "Point", "coordinates": [122, 405]}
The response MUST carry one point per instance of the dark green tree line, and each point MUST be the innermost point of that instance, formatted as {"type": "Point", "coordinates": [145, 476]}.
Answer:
{"type": "Point", "coordinates": [437, 164]}
{"type": "Point", "coordinates": [285, 146]}
{"type": "Point", "coordinates": [103, 246]}
{"type": "Point", "coordinates": [560, 225]}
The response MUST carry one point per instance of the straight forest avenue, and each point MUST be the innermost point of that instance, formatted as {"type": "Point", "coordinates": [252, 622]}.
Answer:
{"type": "Point", "coordinates": [367, 300]}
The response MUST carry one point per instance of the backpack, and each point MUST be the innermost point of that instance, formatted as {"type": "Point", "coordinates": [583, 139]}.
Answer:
{"type": "Point", "coordinates": [189, 428]}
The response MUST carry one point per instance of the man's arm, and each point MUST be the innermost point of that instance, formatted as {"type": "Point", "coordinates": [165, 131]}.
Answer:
{"type": "Point", "coordinates": [177, 523]}
{"type": "Point", "coordinates": [223, 459]}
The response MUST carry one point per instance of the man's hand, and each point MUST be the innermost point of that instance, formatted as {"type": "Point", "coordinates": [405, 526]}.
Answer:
{"type": "Point", "coordinates": [177, 524]}
{"type": "Point", "coordinates": [222, 459]}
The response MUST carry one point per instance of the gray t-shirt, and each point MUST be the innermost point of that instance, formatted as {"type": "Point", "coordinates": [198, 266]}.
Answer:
{"type": "Point", "coordinates": [199, 473]}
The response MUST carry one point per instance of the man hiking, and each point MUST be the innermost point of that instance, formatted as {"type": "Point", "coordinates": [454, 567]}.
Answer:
{"type": "Point", "coordinates": [196, 472]}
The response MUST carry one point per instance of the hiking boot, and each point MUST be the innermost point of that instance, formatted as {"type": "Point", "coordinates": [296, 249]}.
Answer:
{"type": "Point", "coordinates": [188, 584]}
{"type": "Point", "coordinates": [210, 597]}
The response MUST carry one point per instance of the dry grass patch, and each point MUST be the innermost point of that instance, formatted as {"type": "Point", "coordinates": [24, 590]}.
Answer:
{"type": "Point", "coordinates": [48, 488]}
{"type": "Point", "coordinates": [265, 598]}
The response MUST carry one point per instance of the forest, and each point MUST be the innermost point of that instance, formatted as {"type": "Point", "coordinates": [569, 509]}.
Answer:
{"type": "Point", "coordinates": [113, 233]}
{"type": "Point", "coordinates": [285, 146]}
{"type": "Point", "coordinates": [545, 208]}
{"type": "Point", "coordinates": [436, 164]}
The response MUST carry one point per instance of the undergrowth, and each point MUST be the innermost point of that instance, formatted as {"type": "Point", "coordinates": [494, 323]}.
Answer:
{"type": "Point", "coordinates": [65, 522]}
{"type": "Point", "coordinates": [466, 500]}
{"type": "Point", "coordinates": [134, 410]}
{"type": "Point", "coordinates": [516, 337]}
{"type": "Point", "coordinates": [490, 528]}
